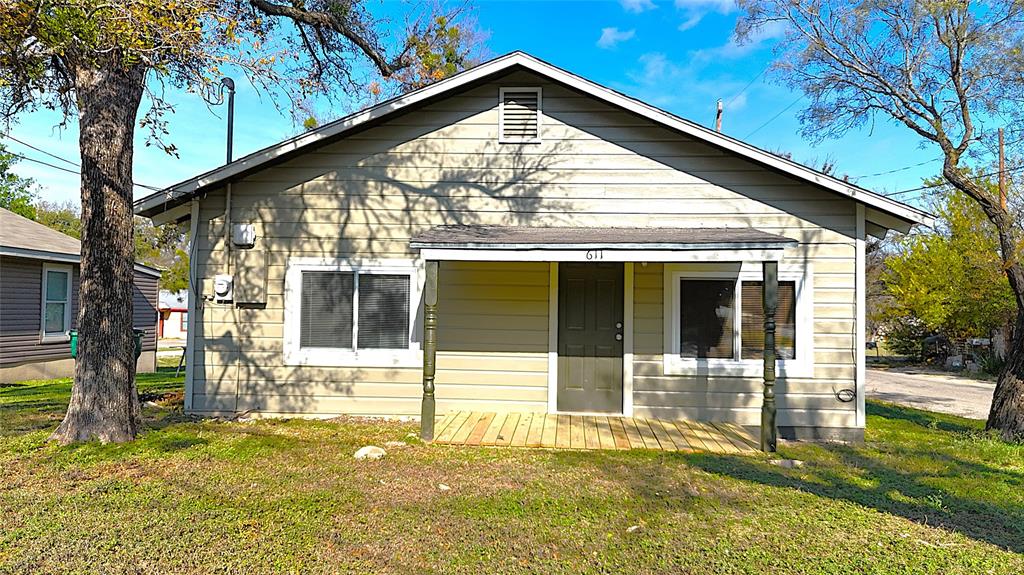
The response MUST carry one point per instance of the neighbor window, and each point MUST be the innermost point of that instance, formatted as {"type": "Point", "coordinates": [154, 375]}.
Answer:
{"type": "Point", "coordinates": [717, 320]}
{"type": "Point", "coordinates": [56, 317]}
{"type": "Point", "coordinates": [347, 314]}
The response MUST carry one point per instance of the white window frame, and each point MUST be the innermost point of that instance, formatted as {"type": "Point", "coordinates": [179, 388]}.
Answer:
{"type": "Point", "coordinates": [501, 115]}
{"type": "Point", "coordinates": [63, 335]}
{"type": "Point", "coordinates": [801, 366]}
{"type": "Point", "coordinates": [295, 354]}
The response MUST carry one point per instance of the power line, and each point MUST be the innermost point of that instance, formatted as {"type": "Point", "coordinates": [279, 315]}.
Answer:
{"type": "Point", "coordinates": [77, 173]}
{"type": "Point", "coordinates": [26, 144]}
{"type": "Point", "coordinates": [773, 118]}
{"type": "Point", "coordinates": [749, 84]}
{"type": "Point", "coordinates": [940, 184]}
{"type": "Point", "coordinates": [904, 168]}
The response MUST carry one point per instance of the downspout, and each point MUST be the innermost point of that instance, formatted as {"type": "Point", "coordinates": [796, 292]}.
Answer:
{"type": "Point", "coordinates": [193, 302]}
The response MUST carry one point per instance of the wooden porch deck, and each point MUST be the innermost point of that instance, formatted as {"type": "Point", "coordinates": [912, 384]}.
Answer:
{"type": "Point", "coordinates": [590, 432]}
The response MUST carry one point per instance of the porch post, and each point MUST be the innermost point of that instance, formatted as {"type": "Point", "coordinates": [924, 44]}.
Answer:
{"type": "Point", "coordinates": [429, 351]}
{"type": "Point", "coordinates": [770, 301]}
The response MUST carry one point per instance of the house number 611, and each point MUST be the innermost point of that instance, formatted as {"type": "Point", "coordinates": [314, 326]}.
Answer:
{"type": "Point", "coordinates": [595, 254]}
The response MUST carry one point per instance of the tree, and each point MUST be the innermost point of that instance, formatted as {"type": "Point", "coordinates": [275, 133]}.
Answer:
{"type": "Point", "coordinates": [943, 69]}
{"type": "Point", "coordinates": [98, 60]}
{"type": "Point", "coordinates": [163, 247]}
{"type": "Point", "coordinates": [16, 193]}
{"type": "Point", "coordinates": [951, 279]}
{"type": "Point", "coordinates": [65, 217]}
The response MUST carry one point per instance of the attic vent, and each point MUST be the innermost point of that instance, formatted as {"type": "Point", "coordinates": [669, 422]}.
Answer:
{"type": "Point", "coordinates": [520, 115]}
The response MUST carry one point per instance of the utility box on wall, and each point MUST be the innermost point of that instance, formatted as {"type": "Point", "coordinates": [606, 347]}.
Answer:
{"type": "Point", "coordinates": [250, 285]}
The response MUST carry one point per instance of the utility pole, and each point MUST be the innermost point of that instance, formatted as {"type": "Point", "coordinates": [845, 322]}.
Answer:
{"type": "Point", "coordinates": [718, 118]}
{"type": "Point", "coordinates": [1002, 172]}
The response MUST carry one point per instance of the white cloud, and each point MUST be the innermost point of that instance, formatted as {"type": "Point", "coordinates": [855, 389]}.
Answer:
{"type": "Point", "coordinates": [611, 37]}
{"type": "Point", "coordinates": [637, 6]}
{"type": "Point", "coordinates": [695, 10]}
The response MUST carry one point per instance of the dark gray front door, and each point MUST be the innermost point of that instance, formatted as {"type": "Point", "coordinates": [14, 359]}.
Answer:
{"type": "Point", "coordinates": [590, 337]}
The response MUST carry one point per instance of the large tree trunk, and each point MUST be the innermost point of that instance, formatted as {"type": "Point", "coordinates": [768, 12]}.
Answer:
{"type": "Point", "coordinates": [104, 402]}
{"type": "Point", "coordinates": [1007, 412]}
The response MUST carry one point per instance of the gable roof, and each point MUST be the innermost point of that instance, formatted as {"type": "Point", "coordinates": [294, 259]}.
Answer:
{"type": "Point", "coordinates": [24, 238]}
{"type": "Point", "coordinates": [882, 211]}
{"type": "Point", "coordinates": [20, 233]}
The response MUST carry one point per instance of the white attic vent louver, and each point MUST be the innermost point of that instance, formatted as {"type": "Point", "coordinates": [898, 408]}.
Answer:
{"type": "Point", "coordinates": [519, 115]}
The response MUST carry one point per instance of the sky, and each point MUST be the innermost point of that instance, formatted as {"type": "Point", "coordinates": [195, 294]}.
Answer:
{"type": "Point", "coordinates": [677, 55]}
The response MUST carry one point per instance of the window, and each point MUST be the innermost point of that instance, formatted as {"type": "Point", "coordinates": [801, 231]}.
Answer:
{"type": "Point", "coordinates": [706, 318]}
{"type": "Point", "coordinates": [351, 314]}
{"type": "Point", "coordinates": [714, 320]}
{"type": "Point", "coordinates": [752, 324]}
{"type": "Point", "coordinates": [519, 115]}
{"type": "Point", "coordinates": [184, 321]}
{"type": "Point", "coordinates": [56, 316]}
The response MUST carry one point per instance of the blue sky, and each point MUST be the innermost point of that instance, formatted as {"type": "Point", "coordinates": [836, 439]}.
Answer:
{"type": "Point", "coordinates": [675, 55]}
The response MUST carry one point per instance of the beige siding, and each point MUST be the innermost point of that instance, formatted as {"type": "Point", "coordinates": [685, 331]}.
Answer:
{"type": "Point", "coordinates": [367, 195]}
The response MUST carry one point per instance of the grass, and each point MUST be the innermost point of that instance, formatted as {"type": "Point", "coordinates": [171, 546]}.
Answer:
{"type": "Point", "coordinates": [926, 493]}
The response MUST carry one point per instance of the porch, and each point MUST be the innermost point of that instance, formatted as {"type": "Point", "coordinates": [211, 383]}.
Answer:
{"type": "Point", "coordinates": [591, 332]}
{"type": "Point", "coordinates": [562, 431]}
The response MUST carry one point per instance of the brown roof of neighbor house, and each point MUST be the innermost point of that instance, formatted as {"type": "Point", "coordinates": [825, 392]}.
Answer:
{"type": "Point", "coordinates": [22, 237]}
{"type": "Point", "coordinates": [512, 237]}
{"type": "Point", "coordinates": [22, 233]}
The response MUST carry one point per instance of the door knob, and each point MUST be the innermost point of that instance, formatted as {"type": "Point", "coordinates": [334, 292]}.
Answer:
{"type": "Point", "coordinates": [618, 325]}
{"type": "Point", "coordinates": [618, 337]}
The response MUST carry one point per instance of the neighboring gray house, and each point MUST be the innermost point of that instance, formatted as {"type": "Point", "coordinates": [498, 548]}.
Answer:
{"type": "Point", "coordinates": [524, 240]}
{"type": "Point", "coordinates": [39, 270]}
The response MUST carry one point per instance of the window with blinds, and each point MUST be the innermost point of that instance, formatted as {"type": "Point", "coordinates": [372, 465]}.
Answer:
{"type": "Point", "coordinates": [383, 311]}
{"type": "Point", "coordinates": [327, 309]}
{"type": "Point", "coordinates": [520, 115]}
{"type": "Point", "coordinates": [706, 310]}
{"type": "Point", "coordinates": [339, 306]}
{"type": "Point", "coordinates": [752, 321]}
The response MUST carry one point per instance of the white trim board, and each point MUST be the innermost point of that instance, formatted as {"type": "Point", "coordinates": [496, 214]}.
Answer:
{"type": "Point", "coordinates": [164, 200]}
{"type": "Point", "coordinates": [65, 258]}
{"type": "Point", "coordinates": [861, 319]}
{"type": "Point", "coordinates": [599, 255]}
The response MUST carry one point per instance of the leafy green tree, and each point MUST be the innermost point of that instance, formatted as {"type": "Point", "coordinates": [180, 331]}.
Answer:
{"type": "Point", "coordinates": [952, 278]}
{"type": "Point", "coordinates": [98, 60]}
{"type": "Point", "coordinates": [65, 217]}
{"type": "Point", "coordinates": [938, 68]}
{"type": "Point", "coordinates": [16, 193]}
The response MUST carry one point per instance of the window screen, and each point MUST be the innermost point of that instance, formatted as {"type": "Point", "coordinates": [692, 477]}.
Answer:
{"type": "Point", "coordinates": [327, 309]}
{"type": "Point", "coordinates": [752, 328]}
{"type": "Point", "coordinates": [56, 305]}
{"type": "Point", "coordinates": [383, 311]}
{"type": "Point", "coordinates": [706, 318]}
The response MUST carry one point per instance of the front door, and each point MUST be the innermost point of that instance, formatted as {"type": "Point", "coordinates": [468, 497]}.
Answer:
{"type": "Point", "coordinates": [590, 337]}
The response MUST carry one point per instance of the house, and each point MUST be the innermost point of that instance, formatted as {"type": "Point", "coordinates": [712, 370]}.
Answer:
{"type": "Point", "coordinates": [516, 238]}
{"type": "Point", "coordinates": [39, 270]}
{"type": "Point", "coordinates": [173, 309]}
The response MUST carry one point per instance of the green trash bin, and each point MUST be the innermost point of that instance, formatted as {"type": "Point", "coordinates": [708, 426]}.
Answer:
{"type": "Point", "coordinates": [138, 333]}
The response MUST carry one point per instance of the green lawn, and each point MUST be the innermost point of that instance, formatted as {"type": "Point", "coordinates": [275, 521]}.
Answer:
{"type": "Point", "coordinates": [926, 493]}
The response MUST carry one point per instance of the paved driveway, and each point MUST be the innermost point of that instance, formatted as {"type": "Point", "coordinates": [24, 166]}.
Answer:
{"type": "Point", "coordinates": [934, 392]}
